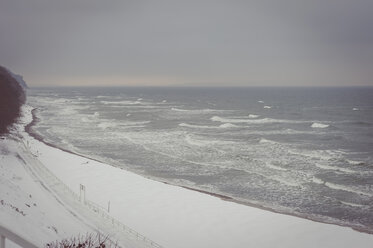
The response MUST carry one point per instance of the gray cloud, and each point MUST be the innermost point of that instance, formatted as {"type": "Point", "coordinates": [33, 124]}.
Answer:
{"type": "Point", "coordinates": [203, 42]}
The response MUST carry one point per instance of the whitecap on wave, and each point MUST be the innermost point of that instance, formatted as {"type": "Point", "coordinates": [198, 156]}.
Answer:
{"type": "Point", "coordinates": [346, 188]}
{"type": "Point", "coordinates": [272, 166]}
{"type": "Point", "coordinates": [120, 102]}
{"type": "Point", "coordinates": [335, 168]}
{"type": "Point", "coordinates": [319, 125]}
{"type": "Point", "coordinates": [340, 187]}
{"type": "Point", "coordinates": [105, 125]}
{"type": "Point", "coordinates": [250, 120]}
{"type": "Point", "coordinates": [262, 141]}
{"type": "Point", "coordinates": [195, 110]}
{"type": "Point", "coordinates": [225, 125]}
{"type": "Point", "coordinates": [180, 110]}
{"type": "Point", "coordinates": [355, 162]}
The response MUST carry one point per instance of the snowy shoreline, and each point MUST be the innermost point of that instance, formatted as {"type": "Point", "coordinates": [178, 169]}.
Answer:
{"type": "Point", "coordinates": [321, 219]}
{"type": "Point", "coordinates": [179, 217]}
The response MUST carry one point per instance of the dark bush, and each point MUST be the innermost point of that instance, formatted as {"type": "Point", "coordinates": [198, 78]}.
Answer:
{"type": "Point", "coordinates": [12, 96]}
{"type": "Point", "coordinates": [87, 241]}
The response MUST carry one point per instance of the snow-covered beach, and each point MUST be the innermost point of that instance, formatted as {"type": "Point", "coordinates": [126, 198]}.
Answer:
{"type": "Point", "coordinates": [169, 215]}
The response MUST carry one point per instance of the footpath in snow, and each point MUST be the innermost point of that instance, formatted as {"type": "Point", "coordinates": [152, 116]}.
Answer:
{"type": "Point", "coordinates": [37, 206]}
{"type": "Point", "coordinates": [172, 216]}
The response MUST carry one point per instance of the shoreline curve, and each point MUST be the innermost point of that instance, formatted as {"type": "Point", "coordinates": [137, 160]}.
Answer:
{"type": "Point", "coordinates": [35, 120]}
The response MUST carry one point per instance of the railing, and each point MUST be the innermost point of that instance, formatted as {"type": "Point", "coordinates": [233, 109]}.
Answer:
{"type": "Point", "coordinates": [15, 238]}
{"type": "Point", "coordinates": [98, 209]}
{"type": "Point", "coordinates": [54, 181]}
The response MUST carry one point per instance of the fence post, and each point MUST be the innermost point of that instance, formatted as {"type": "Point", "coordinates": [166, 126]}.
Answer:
{"type": "Point", "coordinates": [82, 193]}
{"type": "Point", "coordinates": [2, 241]}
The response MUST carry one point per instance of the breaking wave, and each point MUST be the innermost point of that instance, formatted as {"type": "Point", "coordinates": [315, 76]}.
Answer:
{"type": "Point", "coordinates": [225, 125]}
{"type": "Point", "coordinates": [319, 125]}
{"type": "Point", "coordinates": [105, 125]}
{"type": "Point", "coordinates": [120, 102]}
{"type": "Point", "coordinates": [196, 110]}
{"type": "Point", "coordinates": [250, 120]}
{"type": "Point", "coordinates": [262, 141]}
{"type": "Point", "coordinates": [335, 168]}
{"type": "Point", "coordinates": [341, 187]}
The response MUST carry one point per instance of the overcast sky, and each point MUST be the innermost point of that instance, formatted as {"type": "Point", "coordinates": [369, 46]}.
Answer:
{"type": "Point", "coordinates": [188, 43]}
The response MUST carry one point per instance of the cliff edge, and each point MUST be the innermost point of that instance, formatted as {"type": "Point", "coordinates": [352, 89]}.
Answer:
{"type": "Point", "coordinates": [12, 96]}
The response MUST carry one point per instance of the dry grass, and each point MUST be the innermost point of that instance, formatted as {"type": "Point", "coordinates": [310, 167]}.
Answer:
{"type": "Point", "coordinates": [83, 241]}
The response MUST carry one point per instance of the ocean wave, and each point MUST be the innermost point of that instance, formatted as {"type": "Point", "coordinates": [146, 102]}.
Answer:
{"type": "Point", "coordinates": [105, 125]}
{"type": "Point", "coordinates": [250, 120]}
{"type": "Point", "coordinates": [121, 102]}
{"type": "Point", "coordinates": [200, 142]}
{"type": "Point", "coordinates": [325, 155]}
{"type": "Point", "coordinates": [347, 189]}
{"type": "Point", "coordinates": [353, 204]}
{"type": "Point", "coordinates": [317, 180]}
{"type": "Point", "coordinates": [335, 168]}
{"type": "Point", "coordinates": [195, 126]}
{"type": "Point", "coordinates": [225, 125]}
{"type": "Point", "coordinates": [285, 181]}
{"type": "Point", "coordinates": [272, 166]}
{"type": "Point", "coordinates": [340, 187]}
{"type": "Point", "coordinates": [262, 140]}
{"type": "Point", "coordinates": [319, 125]}
{"type": "Point", "coordinates": [267, 107]}
{"type": "Point", "coordinates": [127, 124]}
{"type": "Point", "coordinates": [85, 119]}
{"type": "Point", "coordinates": [195, 110]}
{"type": "Point", "coordinates": [355, 109]}
{"type": "Point", "coordinates": [353, 162]}
{"type": "Point", "coordinates": [251, 116]}
{"type": "Point", "coordinates": [180, 110]}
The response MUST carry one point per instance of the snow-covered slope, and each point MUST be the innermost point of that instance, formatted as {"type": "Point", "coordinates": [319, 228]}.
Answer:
{"type": "Point", "coordinates": [27, 208]}
{"type": "Point", "coordinates": [38, 206]}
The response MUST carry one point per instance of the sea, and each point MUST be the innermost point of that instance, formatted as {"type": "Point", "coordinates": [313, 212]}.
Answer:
{"type": "Point", "coordinates": [301, 151]}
